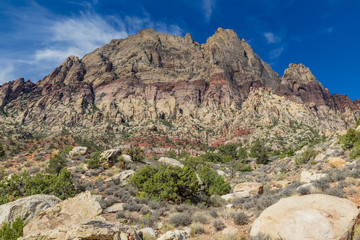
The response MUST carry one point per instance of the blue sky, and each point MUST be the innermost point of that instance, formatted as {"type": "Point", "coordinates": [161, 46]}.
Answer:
{"type": "Point", "coordinates": [37, 35]}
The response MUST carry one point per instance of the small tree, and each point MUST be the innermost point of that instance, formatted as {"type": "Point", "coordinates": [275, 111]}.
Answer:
{"type": "Point", "coordinates": [137, 154]}
{"type": "Point", "coordinates": [56, 164]}
{"type": "Point", "coordinates": [94, 161]}
{"type": "Point", "coordinates": [260, 152]}
{"type": "Point", "coordinates": [357, 123]}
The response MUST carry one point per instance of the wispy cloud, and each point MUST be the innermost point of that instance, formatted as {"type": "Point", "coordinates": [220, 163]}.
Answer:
{"type": "Point", "coordinates": [50, 38]}
{"type": "Point", "coordinates": [271, 37]}
{"type": "Point", "coordinates": [208, 7]}
{"type": "Point", "coordinates": [274, 54]}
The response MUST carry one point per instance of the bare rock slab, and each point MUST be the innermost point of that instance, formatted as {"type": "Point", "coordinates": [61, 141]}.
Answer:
{"type": "Point", "coordinates": [315, 216]}
{"type": "Point", "coordinates": [26, 208]}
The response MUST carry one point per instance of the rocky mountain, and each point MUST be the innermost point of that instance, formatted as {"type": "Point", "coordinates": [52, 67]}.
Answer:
{"type": "Point", "coordinates": [154, 84]}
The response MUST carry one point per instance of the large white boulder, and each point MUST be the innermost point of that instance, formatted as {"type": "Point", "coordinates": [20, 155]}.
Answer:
{"type": "Point", "coordinates": [78, 151]}
{"type": "Point", "coordinates": [171, 162]}
{"type": "Point", "coordinates": [307, 177]}
{"type": "Point", "coordinates": [26, 208]}
{"type": "Point", "coordinates": [314, 216]}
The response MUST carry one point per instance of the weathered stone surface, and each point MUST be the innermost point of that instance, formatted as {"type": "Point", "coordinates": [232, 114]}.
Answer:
{"type": "Point", "coordinates": [149, 232]}
{"type": "Point", "coordinates": [307, 176]}
{"type": "Point", "coordinates": [176, 235]}
{"type": "Point", "coordinates": [336, 162]}
{"type": "Point", "coordinates": [57, 220]}
{"type": "Point", "coordinates": [127, 158]}
{"type": "Point", "coordinates": [78, 151]}
{"type": "Point", "coordinates": [26, 208]}
{"type": "Point", "coordinates": [248, 189]}
{"type": "Point", "coordinates": [314, 216]}
{"type": "Point", "coordinates": [171, 162]}
{"type": "Point", "coordinates": [109, 157]}
{"type": "Point", "coordinates": [114, 208]}
{"type": "Point", "coordinates": [122, 177]}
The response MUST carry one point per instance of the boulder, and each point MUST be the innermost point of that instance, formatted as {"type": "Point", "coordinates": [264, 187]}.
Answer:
{"type": "Point", "coordinates": [127, 158]}
{"type": "Point", "coordinates": [228, 197]}
{"type": "Point", "coordinates": [57, 220]}
{"type": "Point", "coordinates": [114, 208]}
{"type": "Point", "coordinates": [176, 235]}
{"type": "Point", "coordinates": [336, 162]}
{"type": "Point", "coordinates": [307, 177]}
{"type": "Point", "coordinates": [170, 162]}
{"type": "Point", "coordinates": [78, 151]}
{"type": "Point", "coordinates": [320, 157]}
{"type": "Point", "coordinates": [248, 189]}
{"type": "Point", "coordinates": [280, 184]}
{"type": "Point", "coordinates": [314, 216]}
{"type": "Point", "coordinates": [149, 232]}
{"type": "Point", "coordinates": [109, 157]}
{"type": "Point", "coordinates": [26, 208]}
{"type": "Point", "coordinates": [122, 177]}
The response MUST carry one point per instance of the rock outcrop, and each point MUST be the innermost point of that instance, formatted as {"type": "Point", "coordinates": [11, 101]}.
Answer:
{"type": "Point", "coordinates": [314, 216]}
{"type": "Point", "coordinates": [26, 208]}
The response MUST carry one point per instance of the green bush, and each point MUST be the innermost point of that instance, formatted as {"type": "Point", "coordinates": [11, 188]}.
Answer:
{"type": "Point", "coordinates": [171, 154]}
{"type": "Point", "coordinates": [242, 154]}
{"type": "Point", "coordinates": [56, 164]}
{"type": "Point", "coordinates": [24, 185]}
{"type": "Point", "coordinates": [12, 232]}
{"type": "Point", "coordinates": [228, 149]}
{"type": "Point", "coordinates": [350, 139]}
{"type": "Point", "coordinates": [260, 152]}
{"type": "Point", "coordinates": [355, 152]}
{"type": "Point", "coordinates": [94, 161]}
{"type": "Point", "coordinates": [166, 183]}
{"type": "Point", "coordinates": [137, 154]}
{"type": "Point", "coordinates": [306, 156]}
{"type": "Point", "coordinates": [357, 123]}
{"type": "Point", "coordinates": [214, 184]}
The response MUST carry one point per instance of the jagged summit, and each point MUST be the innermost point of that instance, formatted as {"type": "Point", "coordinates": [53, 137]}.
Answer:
{"type": "Point", "coordinates": [214, 90]}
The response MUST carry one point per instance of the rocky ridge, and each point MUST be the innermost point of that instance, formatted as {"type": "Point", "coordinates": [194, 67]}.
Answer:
{"type": "Point", "coordinates": [153, 83]}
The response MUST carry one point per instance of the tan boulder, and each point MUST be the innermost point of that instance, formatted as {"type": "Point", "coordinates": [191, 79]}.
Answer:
{"type": "Point", "coordinates": [248, 189]}
{"type": "Point", "coordinates": [336, 162]}
{"type": "Point", "coordinates": [171, 162]}
{"type": "Point", "coordinates": [176, 235]}
{"type": "Point", "coordinates": [307, 176]}
{"type": "Point", "coordinates": [55, 221]}
{"type": "Point", "coordinates": [109, 157]}
{"type": "Point", "coordinates": [280, 184]}
{"type": "Point", "coordinates": [314, 216]}
{"type": "Point", "coordinates": [78, 151]}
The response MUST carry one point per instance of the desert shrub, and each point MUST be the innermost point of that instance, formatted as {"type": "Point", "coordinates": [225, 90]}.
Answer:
{"type": "Point", "coordinates": [260, 152]}
{"type": "Point", "coordinates": [132, 206]}
{"type": "Point", "coordinates": [171, 154]}
{"type": "Point", "coordinates": [241, 218]}
{"type": "Point", "coordinates": [212, 157]}
{"type": "Point", "coordinates": [229, 149]}
{"type": "Point", "coordinates": [94, 161]}
{"type": "Point", "coordinates": [166, 183]}
{"type": "Point", "coordinates": [322, 184]}
{"type": "Point", "coordinates": [183, 208]}
{"type": "Point", "coordinates": [219, 225]}
{"type": "Point", "coordinates": [242, 154]}
{"type": "Point", "coordinates": [194, 162]}
{"type": "Point", "coordinates": [24, 185]}
{"type": "Point", "coordinates": [214, 184]}
{"type": "Point", "coordinates": [13, 231]}
{"type": "Point", "coordinates": [181, 219]}
{"type": "Point", "coordinates": [56, 164]}
{"type": "Point", "coordinates": [154, 205]}
{"type": "Point", "coordinates": [196, 228]}
{"type": "Point", "coordinates": [149, 220]}
{"type": "Point", "coordinates": [357, 123]}
{"type": "Point", "coordinates": [355, 152]}
{"type": "Point", "coordinates": [335, 191]}
{"type": "Point", "coordinates": [306, 156]}
{"type": "Point", "coordinates": [201, 218]}
{"type": "Point", "coordinates": [137, 154]}
{"type": "Point", "coordinates": [2, 151]}
{"type": "Point", "coordinates": [349, 140]}
{"type": "Point", "coordinates": [214, 213]}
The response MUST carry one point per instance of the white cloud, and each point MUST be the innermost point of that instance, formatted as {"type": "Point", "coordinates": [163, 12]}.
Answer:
{"type": "Point", "coordinates": [274, 54]}
{"type": "Point", "coordinates": [6, 73]}
{"type": "Point", "coordinates": [208, 7]}
{"type": "Point", "coordinates": [47, 39]}
{"type": "Point", "coordinates": [271, 37]}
